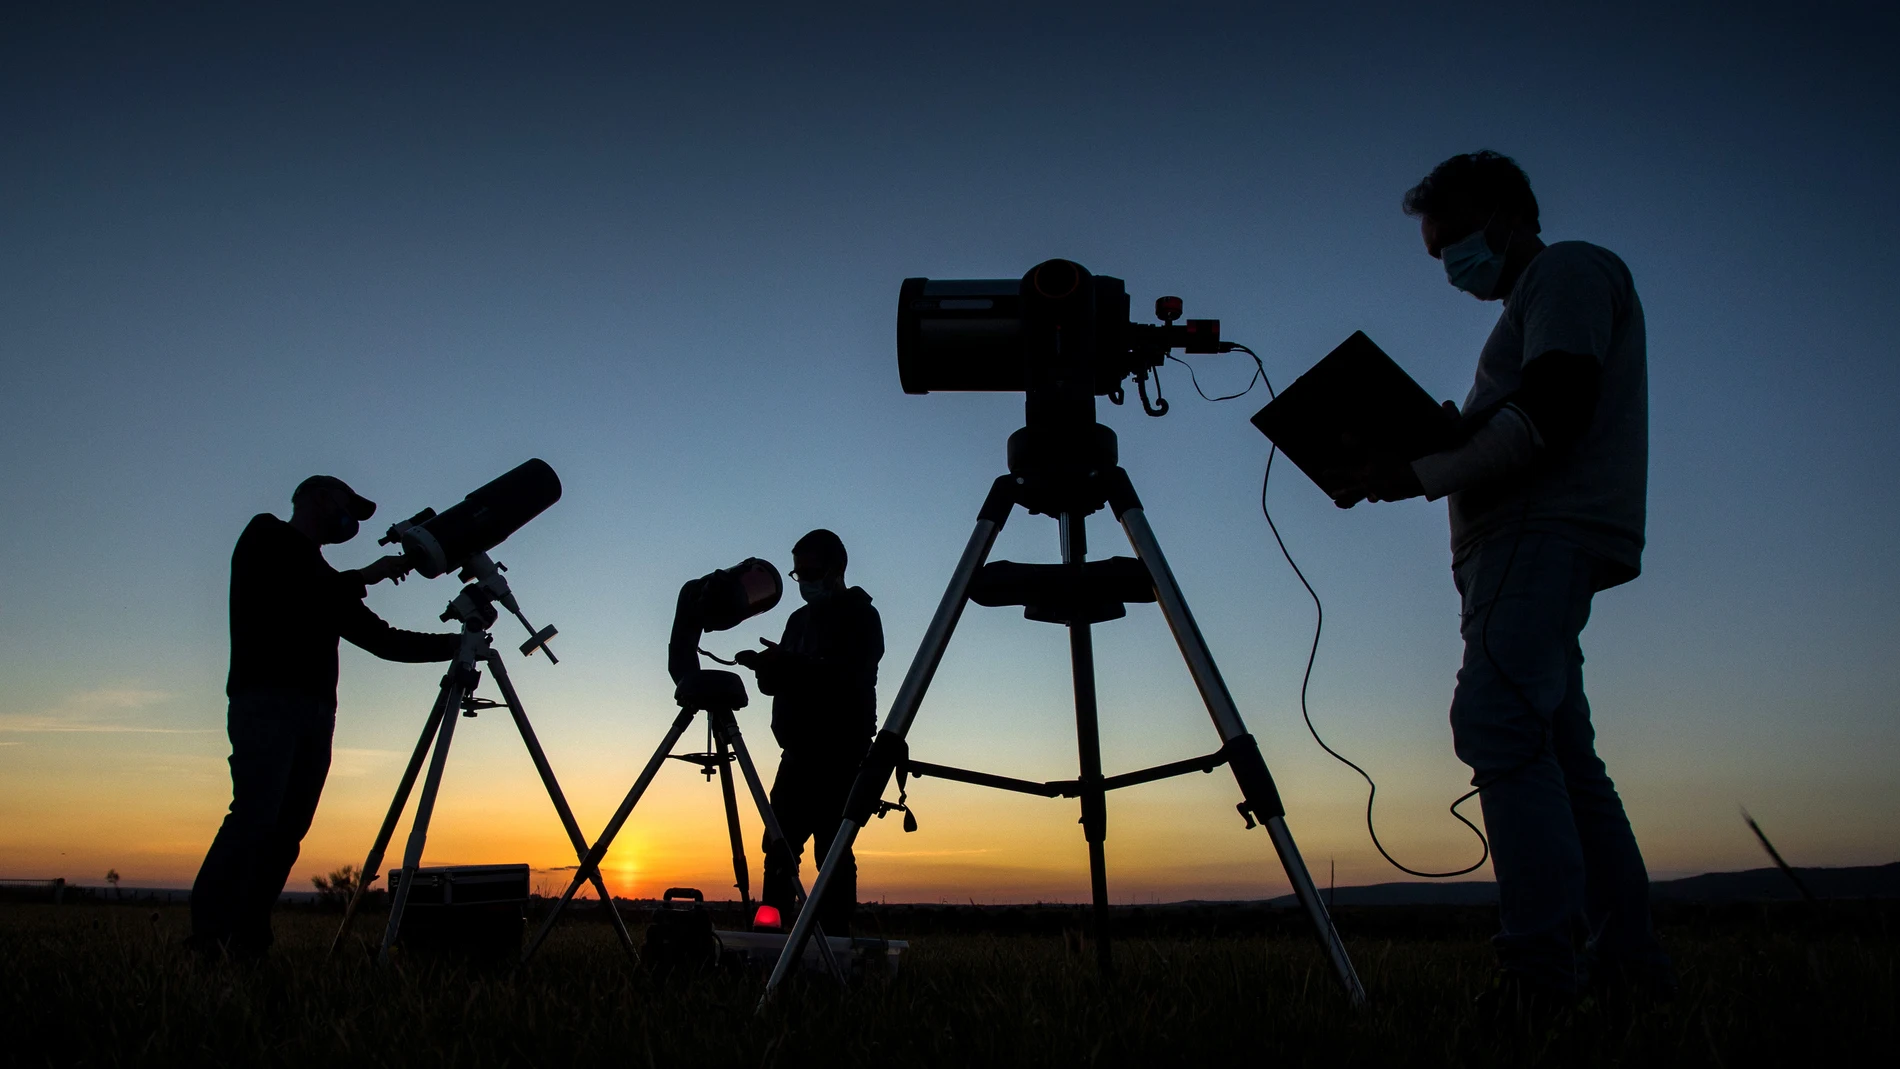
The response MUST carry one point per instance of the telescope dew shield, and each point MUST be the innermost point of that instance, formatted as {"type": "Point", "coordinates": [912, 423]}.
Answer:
{"type": "Point", "coordinates": [482, 520]}
{"type": "Point", "coordinates": [969, 334]}
{"type": "Point", "coordinates": [731, 596]}
{"type": "Point", "coordinates": [960, 334]}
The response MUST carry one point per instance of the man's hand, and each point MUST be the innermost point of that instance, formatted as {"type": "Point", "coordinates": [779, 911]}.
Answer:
{"type": "Point", "coordinates": [1380, 480]}
{"type": "Point", "coordinates": [753, 658]}
{"type": "Point", "coordinates": [392, 567]}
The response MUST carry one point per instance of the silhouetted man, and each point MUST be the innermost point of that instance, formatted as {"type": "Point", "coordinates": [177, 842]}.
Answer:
{"type": "Point", "coordinates": [1547, 508]}
{"type": "Point", "coordinates": [822, 676]}
{"type": "Point", "coordinates": [288, 609]}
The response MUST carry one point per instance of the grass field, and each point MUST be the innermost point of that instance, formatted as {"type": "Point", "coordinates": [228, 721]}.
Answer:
{"type": "Point", "coordinates": [98, 984]}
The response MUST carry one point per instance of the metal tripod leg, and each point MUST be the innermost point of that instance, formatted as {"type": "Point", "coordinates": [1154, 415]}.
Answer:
{"type": "Point", "coordinates": [383, 835]}
{"type": "Point", "coordinates": [888, 749]}
{"type": "Point", "coordinates": [590, 861]}
{"type": "Point", "coordinates": [555, 794]}
{"type": "Point", "coordinates": [452, 696]}
{"type": "Point", "coordinates": [742, 878]}
{"type": "Point", "coordinates": [726, 729]}
{"type": "Point", "coordinates": [1250, 769]}
{"type": "Point", "coordinates": [1088, 738]}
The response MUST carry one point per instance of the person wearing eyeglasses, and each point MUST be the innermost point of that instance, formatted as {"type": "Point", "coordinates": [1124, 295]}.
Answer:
{"type": "Point", "coordinates": [822, 676]}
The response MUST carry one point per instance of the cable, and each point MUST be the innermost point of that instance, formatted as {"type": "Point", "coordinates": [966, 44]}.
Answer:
{"type": "Point", "coordinates": [1259, 374]}
{"type": "Point", "coordinates": [1312, 654]}
{"type": "Point", "coordinates": [1319, 624]}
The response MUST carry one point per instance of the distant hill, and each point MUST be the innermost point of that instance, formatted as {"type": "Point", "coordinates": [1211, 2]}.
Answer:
{"type": "Point", "coordinates": [1750, 885]}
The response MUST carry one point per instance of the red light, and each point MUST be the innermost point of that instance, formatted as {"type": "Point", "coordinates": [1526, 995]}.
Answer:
{"type": "Point", "coordinates": [767, 917]}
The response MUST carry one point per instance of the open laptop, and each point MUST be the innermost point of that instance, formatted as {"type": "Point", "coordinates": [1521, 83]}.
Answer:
{"type": "Point", "coordinates": [1353, 408]}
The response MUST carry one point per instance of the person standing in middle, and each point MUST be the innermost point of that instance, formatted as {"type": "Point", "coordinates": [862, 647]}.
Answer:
{"type": "Point", "coordinates": [822, 676]}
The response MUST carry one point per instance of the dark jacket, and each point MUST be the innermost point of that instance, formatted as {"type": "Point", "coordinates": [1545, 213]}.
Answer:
{"type": "Point", "coordinates": [823, 678]}
{"type": "Point", "coordinates": [289, 607]}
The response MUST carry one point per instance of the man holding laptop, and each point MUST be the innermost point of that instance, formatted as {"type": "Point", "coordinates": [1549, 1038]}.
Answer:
{"type": "Point", "coordinates": [1546, 480]}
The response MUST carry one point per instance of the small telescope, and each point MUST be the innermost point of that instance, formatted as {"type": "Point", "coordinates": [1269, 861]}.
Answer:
{"type": "Point", "coordinates": [459, 540]}
{"type": "Point", "coordinates": [718, 601]}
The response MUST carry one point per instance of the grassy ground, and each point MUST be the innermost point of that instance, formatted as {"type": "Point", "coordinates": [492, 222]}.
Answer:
{"type": "Point", "coordinates": [96, 984]}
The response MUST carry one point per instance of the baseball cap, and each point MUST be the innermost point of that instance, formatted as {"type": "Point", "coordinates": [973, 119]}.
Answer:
{"type": "Point", "coordinates": [360, 507]}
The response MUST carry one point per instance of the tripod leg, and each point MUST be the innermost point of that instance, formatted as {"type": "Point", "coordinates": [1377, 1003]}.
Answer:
{"type": "Point", "coordinates": [1088, 738]}
{"type": "Point", "coordinates": [590, 861]}
{"type": "Point", "coordinates": [425, 808]}
{"type": "Point", "coordinates": [396, 804]}
{"type": "Point", "coordinates": [726, 726]}
{"type": "Point", "coordinates": [742, 877]}
{"type": "Point", "coordinates": [568, 822]}
{"type": "Point", "coordinates": [888, 749]}
{"type": "Point", "coordinates": [1250, 769]}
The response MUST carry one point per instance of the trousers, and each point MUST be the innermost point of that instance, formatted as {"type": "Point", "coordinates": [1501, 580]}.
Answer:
{"type": "Point", "coordinates": [808, 797]}
{"type": "Point", "coordinates": [280, 756]}
{"type": "Point", "coordinates": [1567, 864]}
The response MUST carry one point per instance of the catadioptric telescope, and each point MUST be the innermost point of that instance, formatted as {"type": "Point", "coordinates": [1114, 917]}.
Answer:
{"type": "Point", "coordinates": [1061, 336]}
{"type": "Point", "coordinates": [458, 541]}
{"type": "Point", "coordinates": [717, 601]}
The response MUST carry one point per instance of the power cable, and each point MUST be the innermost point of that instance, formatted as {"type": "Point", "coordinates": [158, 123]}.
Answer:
{"type": "Point", "coordinates": [1319, 625]}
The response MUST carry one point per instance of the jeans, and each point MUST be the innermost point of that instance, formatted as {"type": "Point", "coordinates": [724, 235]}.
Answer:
{"type": "Point", "coordinates": [280, 756]}
{"type": "Point", "coordinates": [808, 797]}
{"type": "Point", "coordinates": [1566, 861]}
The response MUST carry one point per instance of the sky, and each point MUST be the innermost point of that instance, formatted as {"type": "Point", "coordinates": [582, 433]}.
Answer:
{"type": "Point", "coordinates": [661, 249]}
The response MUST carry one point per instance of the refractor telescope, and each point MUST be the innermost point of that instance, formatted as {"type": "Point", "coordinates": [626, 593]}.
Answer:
{"type": "Point", "coordinates": [459, 540]}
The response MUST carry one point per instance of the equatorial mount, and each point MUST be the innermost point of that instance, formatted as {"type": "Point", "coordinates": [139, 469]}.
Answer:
{"type": "Point", "coordinates": [475, 605]}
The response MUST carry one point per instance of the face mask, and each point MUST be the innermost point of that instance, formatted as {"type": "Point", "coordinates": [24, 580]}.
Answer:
{"type": "Point", "coordinates": [813, 591]}
{"type": "Point", "coordinates": [1471, 266]}
{"type": "Point", "coordinates": [343, 528]}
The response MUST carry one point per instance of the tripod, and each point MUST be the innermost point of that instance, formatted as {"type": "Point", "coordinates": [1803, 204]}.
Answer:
{"type": "Point", "coordinates": [1067, 476]}
{"type": "Point", "coordinates": [474, 607]}
{"type": "Point", "coordinates": [717, 694]}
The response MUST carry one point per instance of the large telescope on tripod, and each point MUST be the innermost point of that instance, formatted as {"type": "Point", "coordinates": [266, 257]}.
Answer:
{"type": "Point", "coordinates": [458, 541]}
{"type": "Point", "coordinates": [1061, 336]}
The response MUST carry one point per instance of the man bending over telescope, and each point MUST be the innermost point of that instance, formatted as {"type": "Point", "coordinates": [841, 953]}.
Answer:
{"type": "Point", "coordinates": [288, 609]}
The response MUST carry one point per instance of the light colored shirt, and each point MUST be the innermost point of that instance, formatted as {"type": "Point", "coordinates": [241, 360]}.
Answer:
{"type": "Point", "coordinates": [1573, 297]}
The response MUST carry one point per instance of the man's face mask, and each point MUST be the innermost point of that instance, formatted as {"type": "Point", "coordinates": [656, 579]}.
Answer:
{"type": "Point", "coordinates": [343, 527]}
{"type": "Point", "coordinates": [813, 591]}
{"type": "Point", "coordinates": [1471, 266]}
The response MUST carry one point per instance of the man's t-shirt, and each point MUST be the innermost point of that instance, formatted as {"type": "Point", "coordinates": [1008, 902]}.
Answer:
{"type": "Point", "coordinates": [289, 607]}
{"type": "Point", "coordinates": [1573, 297]}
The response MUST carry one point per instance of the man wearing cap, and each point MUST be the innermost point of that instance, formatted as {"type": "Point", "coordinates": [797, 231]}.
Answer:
{"type": "Point", "coordinates": [288, 609]}
{"type": "Point", "coordinates": [822, 676]}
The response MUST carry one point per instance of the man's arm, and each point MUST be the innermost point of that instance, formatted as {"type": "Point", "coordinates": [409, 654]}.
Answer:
{"type": "Point", "coordinates": [848, 654]}
{"type": "Point", "coordinates": [1544, 417]}
{"type": "Point", "coordinates": [369, 631]}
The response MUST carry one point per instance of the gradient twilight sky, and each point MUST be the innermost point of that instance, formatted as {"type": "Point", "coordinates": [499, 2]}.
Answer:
{"type": "Point", "coordinates": [662, 251]}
